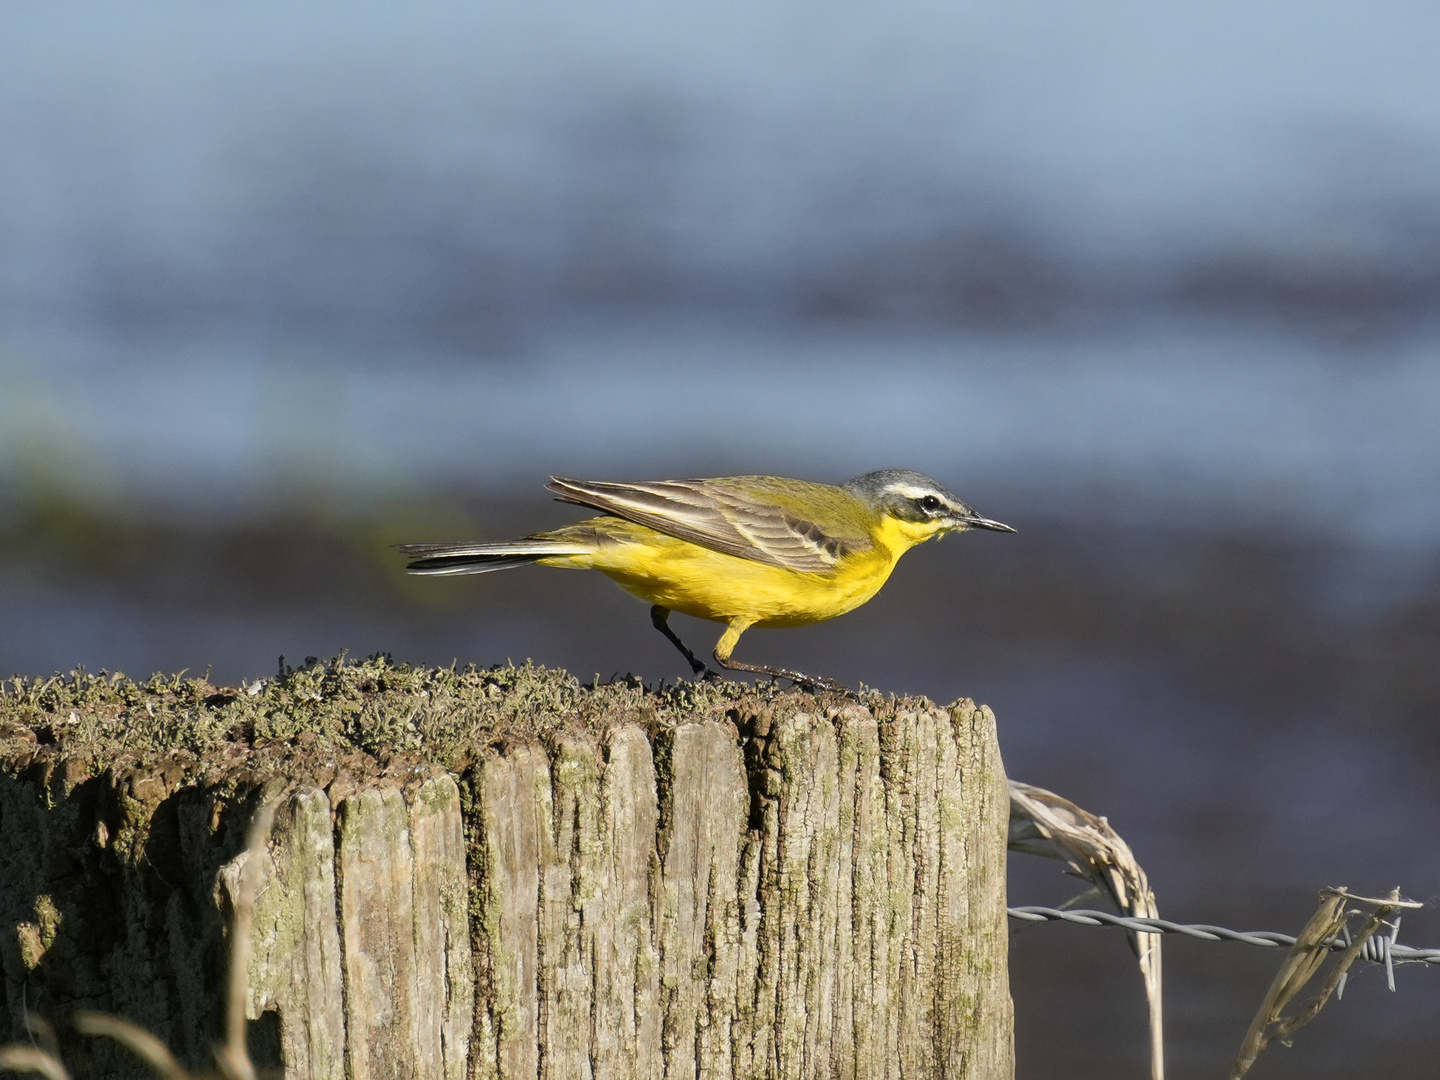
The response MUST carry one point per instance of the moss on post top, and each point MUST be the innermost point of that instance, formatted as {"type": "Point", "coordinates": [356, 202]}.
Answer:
{"type": "Point", "coordinates": [370, 716]}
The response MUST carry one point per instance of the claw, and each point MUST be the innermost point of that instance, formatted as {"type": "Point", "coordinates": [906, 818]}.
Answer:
{"type": "Point", "coordinates": [811, 683]}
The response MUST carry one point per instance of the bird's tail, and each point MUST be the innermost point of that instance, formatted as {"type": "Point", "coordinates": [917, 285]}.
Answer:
{"type": "Point", "coordinates": [463, 558]}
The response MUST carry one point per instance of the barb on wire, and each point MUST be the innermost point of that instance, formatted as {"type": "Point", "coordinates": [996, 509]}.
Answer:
{"type": "Point", "coordinates": [1304, 960]}
{"type": "Point", "coordinates": [1043, 823]}
{"type": "Point", "coordinates": [1377, 950]}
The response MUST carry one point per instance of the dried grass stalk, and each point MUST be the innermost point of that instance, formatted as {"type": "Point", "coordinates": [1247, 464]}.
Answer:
{"type": "Point", "coordinates": [1043, 823]}
{"type": "Point", "coordinates": [232, 1059]}
{"type": "Point", "coordinates": [1304, 959]}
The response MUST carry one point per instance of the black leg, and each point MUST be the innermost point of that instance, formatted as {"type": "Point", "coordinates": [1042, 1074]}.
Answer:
{"type": "Point", "coordinates": [660, 617]}
{"type": "Point", "coordinates": [799, 678]}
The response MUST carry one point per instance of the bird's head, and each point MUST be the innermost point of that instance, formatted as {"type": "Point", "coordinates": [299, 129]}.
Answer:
{"type": "Point", "coordinates": [916, 508]}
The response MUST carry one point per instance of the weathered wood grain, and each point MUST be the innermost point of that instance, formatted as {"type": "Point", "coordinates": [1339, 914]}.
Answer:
{"type": "Point", "coordinates": [445, 968]}
{"type": "Point", "coordinates": [515, 813]}
{"type": "Point", "coordinates": [796, 892]}
{"type": "Point", "coordinates": [295, 966]}
{"type": "Point", "coordinates": [627, 962]}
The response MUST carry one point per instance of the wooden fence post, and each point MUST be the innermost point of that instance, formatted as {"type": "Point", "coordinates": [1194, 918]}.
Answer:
{"type": "Point", "coordinates": [471, 878]}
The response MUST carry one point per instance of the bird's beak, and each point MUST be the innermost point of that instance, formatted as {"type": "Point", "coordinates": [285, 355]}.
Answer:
{"type": "Point", "coordinates": [975, 521]}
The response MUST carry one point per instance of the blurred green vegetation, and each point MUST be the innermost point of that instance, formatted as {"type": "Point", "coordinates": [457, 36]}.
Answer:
{"type": "Point", "coordinates": [289, 555]}
{"type": "Point", "coordinates": [65, 519]}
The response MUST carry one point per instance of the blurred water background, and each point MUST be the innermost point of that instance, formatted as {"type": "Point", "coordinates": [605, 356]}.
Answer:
{"type": "Point", "coordinates": [1159, 286]}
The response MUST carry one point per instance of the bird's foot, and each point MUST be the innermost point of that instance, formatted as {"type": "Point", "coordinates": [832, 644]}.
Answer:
{"type": "Point", "coordinates": [815, 683]}
{"type": "Point", "coordinates": [810, 683]}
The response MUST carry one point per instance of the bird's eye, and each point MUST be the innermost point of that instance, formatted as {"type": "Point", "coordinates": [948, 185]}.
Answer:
{"type": "Point", "coordinates": [930, 504]}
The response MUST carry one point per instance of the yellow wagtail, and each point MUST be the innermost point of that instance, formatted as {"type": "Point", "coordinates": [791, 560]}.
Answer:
{"type": "Point", "coordinates": [742, 550]}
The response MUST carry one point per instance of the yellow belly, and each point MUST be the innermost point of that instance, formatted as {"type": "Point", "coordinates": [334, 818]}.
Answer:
{"type": "Point", "coordinates": [694, 580]}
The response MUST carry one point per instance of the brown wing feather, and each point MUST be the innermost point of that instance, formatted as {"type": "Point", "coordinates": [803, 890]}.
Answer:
{"type": "Point", "coordinates": [720, 515]}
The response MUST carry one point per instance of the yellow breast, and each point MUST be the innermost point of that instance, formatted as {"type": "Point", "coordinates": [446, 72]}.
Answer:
{"type": "Point", "coordinates": [695, 580]}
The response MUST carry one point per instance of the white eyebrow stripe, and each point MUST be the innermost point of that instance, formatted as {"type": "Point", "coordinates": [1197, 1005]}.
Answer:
{"type": "Point", "coordinates": [910, 491]}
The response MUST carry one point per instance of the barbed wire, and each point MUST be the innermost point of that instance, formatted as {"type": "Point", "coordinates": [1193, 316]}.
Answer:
{"type": "Point", "coordinates": [1379, 949]}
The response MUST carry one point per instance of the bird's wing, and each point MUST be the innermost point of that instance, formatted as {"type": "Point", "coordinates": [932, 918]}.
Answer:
{"type": "Point", "coordinates": [733, 516]}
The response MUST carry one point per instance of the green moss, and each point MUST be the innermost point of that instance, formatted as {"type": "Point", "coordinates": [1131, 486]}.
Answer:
{"type": "Point", "coordinates": [314, 713]}
{"type": "Point", "coordinates": [312, 722]}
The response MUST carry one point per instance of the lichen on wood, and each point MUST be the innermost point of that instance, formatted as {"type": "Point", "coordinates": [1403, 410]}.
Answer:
{"type": "Point", "coordinates": [503, 873]}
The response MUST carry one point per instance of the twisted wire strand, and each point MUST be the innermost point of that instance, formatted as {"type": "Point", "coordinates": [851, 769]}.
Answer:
{"type": "Point", "coordinates": [1378, 949]}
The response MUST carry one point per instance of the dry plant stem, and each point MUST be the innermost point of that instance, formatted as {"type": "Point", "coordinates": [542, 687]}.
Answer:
{"type": "Point", "coordinates": [233, 1059]}
{"type": "Point", "coordinates": [1300, 963]}
{"type": "Point", "coordinates": [1304, 959]}
{"type": "Point", "coordinates": [136, 1039]}
{"type": "Point", "coordinates": [1051, 826]}
{"type": "Point", "coordinates": [1149, 957]}
{"type": "Point", "coordinates": [42, 1034]}
{"type": "Point", "coordinates": [29, 1059]}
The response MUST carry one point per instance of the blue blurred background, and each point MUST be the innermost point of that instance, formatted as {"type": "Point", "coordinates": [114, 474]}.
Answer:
{"type": "Point", "coordinates": [1159, 286]}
